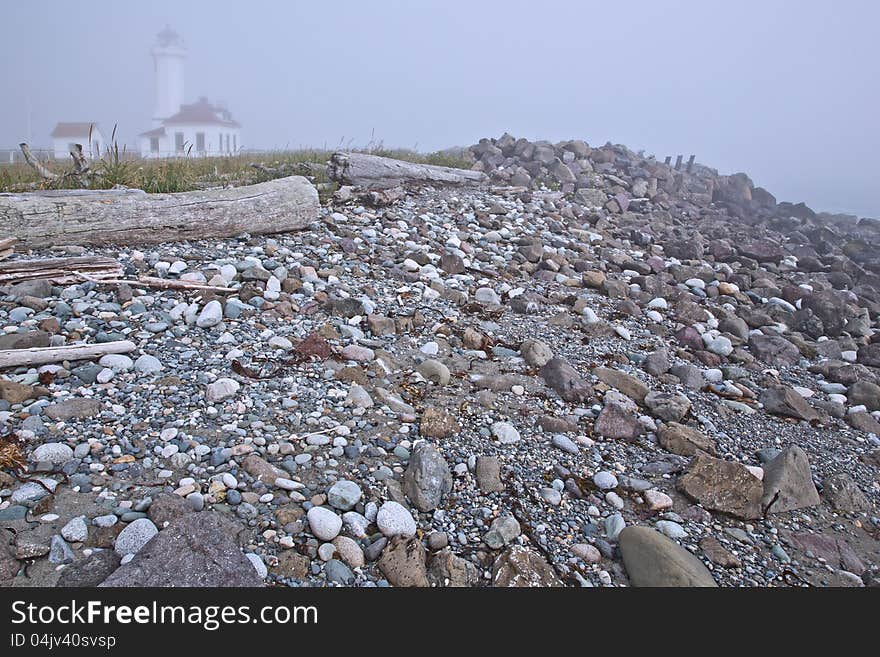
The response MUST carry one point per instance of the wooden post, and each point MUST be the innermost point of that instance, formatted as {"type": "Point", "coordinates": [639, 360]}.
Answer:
{"type": "Point", "coordinates": [668, 160]}
{"type": "Point", "coordinates": [678, 162]}
{"type": "Point", "coordinates": [690, 164]}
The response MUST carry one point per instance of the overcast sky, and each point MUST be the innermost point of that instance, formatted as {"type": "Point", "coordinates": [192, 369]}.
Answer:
{"type": "Point", "coordinates": [788, 92]}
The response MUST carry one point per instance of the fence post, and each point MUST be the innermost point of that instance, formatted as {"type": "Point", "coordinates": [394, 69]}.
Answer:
{"type": "Point", "coordinates": [690, 164]}
{"type": "Point", "coordinates": [678, 162]}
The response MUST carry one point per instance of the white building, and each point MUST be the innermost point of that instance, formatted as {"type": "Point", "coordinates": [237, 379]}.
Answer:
{"type": "Point", "coordinates": [197, 129]}
{"type": "Point", "coordinates": [66, 135]}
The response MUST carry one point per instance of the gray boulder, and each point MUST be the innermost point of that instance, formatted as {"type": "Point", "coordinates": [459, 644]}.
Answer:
{"type": "Point", "coordinates": [651, 559]}
{"type": "Point", "coordinates": [788, 483]}
{"type": "Point", "coordinates": [197, 549]}
{"type": "Point", "coordinates": [427, 478]}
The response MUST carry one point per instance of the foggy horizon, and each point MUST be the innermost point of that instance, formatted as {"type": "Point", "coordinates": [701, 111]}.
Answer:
{"type": "Point", "coordinates": [785, 92]}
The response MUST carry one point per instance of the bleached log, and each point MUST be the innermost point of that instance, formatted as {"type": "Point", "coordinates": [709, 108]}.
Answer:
{"type": "Point", "coordinates": [59, 270]}
{"type": "Point", "coordinates": [131, 216]}
{"type": "Point", "coordinates": [44, 355]}
{"type": "Point", "coordinates": [376, 172]}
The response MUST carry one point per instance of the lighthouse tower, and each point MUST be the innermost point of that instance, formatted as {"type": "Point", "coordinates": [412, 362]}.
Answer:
{"type": "Point", "coordinates": [169, 55]}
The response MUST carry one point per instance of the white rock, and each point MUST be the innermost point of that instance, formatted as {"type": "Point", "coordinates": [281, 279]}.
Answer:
{"type": "Point", "coordinates": [147, 364]}
{"type": "Point", "coordinates": [324, 523]}
{"type": "Point", "coordinates": [657, 501]}
{"type": "Point", "coordinates": [116, 362]}
{"type": "Point", "coordinates": [135, 536]}
{"type": "Point", "coordinates": [258, 564]}
{"type": "Point", "coordinates": [394, 519]}
{"type": "Point", "coordinates": [54, 453]}
{"type": "Point", "coordinates": [605, 480]}
{"type": "Point", "coordinates": [355, 524]}
{"type": "Point", "coordinates": [755, 470]}
{"type": "Point", "coordinates": [221, 389]}
{"type": "Point", "coordinates": [487, 295]}
{"type": "Point", "coordinates": [76, 530]}
{"type": "Point", "coordinates": [590, 315]}
{"type": "Point", "coordinates": [211, 315]}
{"type": "Point", "coordinates": [720, 345]}
{"type": "Point", "coordinates": [671, 529]}
{"type": "Point", "coordinates": [505, 432]}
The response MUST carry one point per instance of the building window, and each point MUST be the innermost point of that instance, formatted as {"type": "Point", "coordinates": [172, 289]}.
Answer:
{"type": "Point", "coordinates": [200, 141]}
{"type": "Point", "coordinates": [178, 142]}
{"type": "Point", "coordinates": [154, 144]}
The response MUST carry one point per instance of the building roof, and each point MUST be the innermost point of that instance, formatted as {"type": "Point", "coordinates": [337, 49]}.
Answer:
{"type": "Point", "coordinates": [202, 113]}
{"type": "Point", "coordinates": [155, 132]}
{"type": "Point", "coordinates": [75, 130]}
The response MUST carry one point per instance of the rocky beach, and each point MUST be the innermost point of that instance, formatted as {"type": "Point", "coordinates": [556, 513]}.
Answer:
{"type": "Point", "coordinates": [592, 368]}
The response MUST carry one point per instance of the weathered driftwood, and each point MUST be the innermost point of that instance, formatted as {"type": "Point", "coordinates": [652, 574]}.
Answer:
{"type": "Point", "coordinates": [377, 172]}
{"type": "Point", "coordinates": [159, 284]}
{"type": "Point", "coordinates": [378, 198]}
{"type": "Point", "coordinates": [59, 270]}
{"type": "Point", "coordinates": [29, 157]}
{"type": "Point", "coordinates": [7, 246]}
{"type": "Point", "coordinates": [43, 355]}
{"type": "Point", "coordinates": [131, 216]}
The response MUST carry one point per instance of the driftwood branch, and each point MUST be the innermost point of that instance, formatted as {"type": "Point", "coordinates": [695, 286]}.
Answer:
{"type": "Point", "coordinates": [35, 163]}
{"type": "Point", "coordinates": [43, 355]}
{"type": "Point", "coordinates": [80, 164]}
{"type": "Point", "coordinates": [131, 216]}
{"type": "Point", "coordinates": [158, 284]}
{"type": "Point", "coordinates": [376, 172]}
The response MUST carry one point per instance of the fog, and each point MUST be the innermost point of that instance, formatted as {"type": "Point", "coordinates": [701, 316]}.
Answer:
{"type": "Point", "coordinates": [786, 91]}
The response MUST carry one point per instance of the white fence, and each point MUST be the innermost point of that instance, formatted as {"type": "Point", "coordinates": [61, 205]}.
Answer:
{"type": "Point", "coordinates": [13, 155]}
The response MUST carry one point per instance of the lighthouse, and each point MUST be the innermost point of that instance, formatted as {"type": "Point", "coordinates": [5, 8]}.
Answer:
{"type": "Point", "coordinates": [183, 129]}
{"type": "Point", "coordinates": [169, 55]}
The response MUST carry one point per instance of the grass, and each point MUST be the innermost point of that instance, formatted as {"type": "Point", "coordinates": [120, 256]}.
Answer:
{"type": "Point", "coordinates": [119, 167]}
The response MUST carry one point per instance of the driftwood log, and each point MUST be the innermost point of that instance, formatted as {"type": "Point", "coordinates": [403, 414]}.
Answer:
{"type": "Point", "coordinates": [59, 270]}
{"type": "Point", "coordinates": [378, 198]}
{"type": "Point", "coordinates": [131, 216]}
{"type": "Point", "coordinates": [7, 246]}
{"type": "Point", "coordinates": [376, 172]}
{"type": "Point", "coordinates": [43, 355]}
